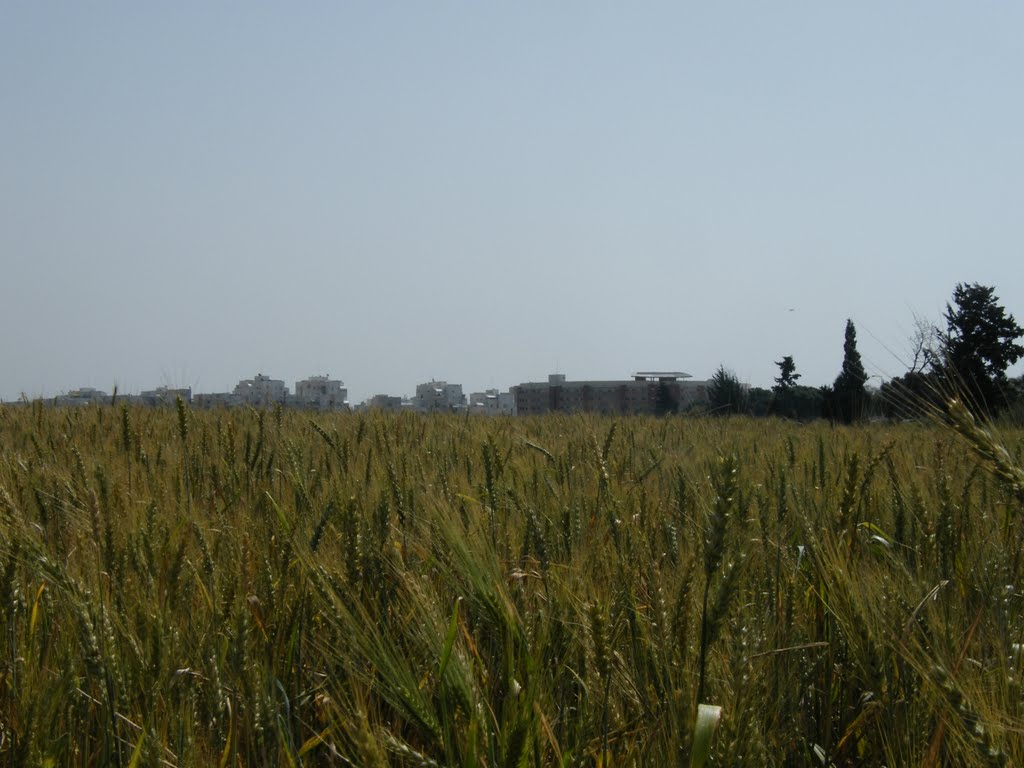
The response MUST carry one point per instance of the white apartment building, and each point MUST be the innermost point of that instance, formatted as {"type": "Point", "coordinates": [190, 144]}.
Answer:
{"type": "Point", "coordinates": [262, 390]}
{"type": "Point", "coordinates": [322, 393]}
{"type": "Point", "coordinates": [491, 402]}
{"type": "Point", "coordinates": [437, 396]}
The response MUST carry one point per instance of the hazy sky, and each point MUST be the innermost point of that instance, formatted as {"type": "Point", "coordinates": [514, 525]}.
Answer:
{"type": "Point", "coordinates": [191, 193]}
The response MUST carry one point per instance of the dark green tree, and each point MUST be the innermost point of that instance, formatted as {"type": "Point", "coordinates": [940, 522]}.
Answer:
{"type": "Point", "coordinates": [785, 383]}
{"type": "Point", "coordinates": [759, 401]}
{"type": "Point", "coordinates": [1015, 394]}
{"type": "Point", "coordinates": [848, 390]}
{"type": "Point", "coordinates": [979, 344]}
{"type": "Point", "coordinates": [666, 402]}
{"type": "Point", "coordinates": [787, 377]}
{"type": "Point", "coordinates": [804, 403]}
{"type": "Point", "coordinates": [827, 401]}
{"type": "Point", "coordinates": [725, 393]}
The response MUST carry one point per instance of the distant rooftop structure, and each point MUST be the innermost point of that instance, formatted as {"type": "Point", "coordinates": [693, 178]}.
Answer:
{"type": "Point", "coordinates": [165, 396]}
{"type": "Point", "coordinates": [81, 396]}
{"type": "Point", "coordinates": [660, 376]}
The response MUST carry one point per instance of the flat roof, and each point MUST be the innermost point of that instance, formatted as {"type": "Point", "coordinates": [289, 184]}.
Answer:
{"type": "Point", "coordinates": [664, 374]}
{"type": "Point", "coordinates": [589, 383]}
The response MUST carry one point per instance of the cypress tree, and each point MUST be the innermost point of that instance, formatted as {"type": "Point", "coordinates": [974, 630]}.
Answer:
{"type": "Point", "coordinates": [848, 390]}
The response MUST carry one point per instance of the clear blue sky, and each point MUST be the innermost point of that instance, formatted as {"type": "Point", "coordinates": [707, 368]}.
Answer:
{"type": "Point", "coordinates": [191, 193]}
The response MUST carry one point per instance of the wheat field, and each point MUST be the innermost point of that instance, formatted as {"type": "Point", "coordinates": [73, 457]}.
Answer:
{"type": "Point", "coordinates": [243, 588]}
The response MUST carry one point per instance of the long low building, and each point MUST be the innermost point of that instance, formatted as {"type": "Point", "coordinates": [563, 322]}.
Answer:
{"type": "Point", "coordinates": [648, 392]}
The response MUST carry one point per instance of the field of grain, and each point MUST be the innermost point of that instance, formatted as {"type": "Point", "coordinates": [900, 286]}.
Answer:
{"type": "Point", "coordinates": [278, 588]}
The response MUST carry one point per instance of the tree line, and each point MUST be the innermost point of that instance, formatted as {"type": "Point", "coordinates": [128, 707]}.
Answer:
{"type": "Point", "coordinates": [967, 358]}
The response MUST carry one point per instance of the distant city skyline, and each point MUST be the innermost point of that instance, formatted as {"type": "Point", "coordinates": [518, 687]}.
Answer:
{"type": "Point", "coordinates": [195, 192]}
{"type": "Point", "coordinates": [116, 390]}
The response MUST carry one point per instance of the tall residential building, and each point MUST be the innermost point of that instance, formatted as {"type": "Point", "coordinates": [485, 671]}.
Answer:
{"type": "Point", "coordinates": [437, 396]}
{"type": "Point", "coordinates": [322, 393]}
{"type": "Point", "coordinates": [262, 390]}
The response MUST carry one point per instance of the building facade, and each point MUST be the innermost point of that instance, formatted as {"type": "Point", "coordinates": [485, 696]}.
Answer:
{"type": "Point", "coordinates": [216, 400]}
{"type": "Point", "coordinates": [322, 393]}
{"type": "Point", "coordinates": [648, 392]}
{"type": "Point", "coordinates": [386, 403]}
{"type": "Point", "coordinates": [82, 396]}
{"type": "Point", "coordinates": [439, 396]}
{"type": "Point", "coordinates": [262, 390]}
{"type": "Point", "coordinates": [164, 396]}
{"type": "Point", "coordinates": [491, 402]}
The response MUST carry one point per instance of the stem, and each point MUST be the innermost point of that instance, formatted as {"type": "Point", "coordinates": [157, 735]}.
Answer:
{"type": "Point", "coordinates": [703, 640]}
